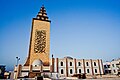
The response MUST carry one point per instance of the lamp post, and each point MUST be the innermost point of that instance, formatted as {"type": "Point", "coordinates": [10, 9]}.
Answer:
{"type": "Point", "coordinates": [17, 60]}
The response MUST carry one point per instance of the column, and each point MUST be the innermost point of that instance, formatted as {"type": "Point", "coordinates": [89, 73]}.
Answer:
{"type": "Point", "coordinates": [75, 66]}
{"type": "Point", "coordinates": [92, 67]}
{"type": "Point", "coordinates": [84, 66]}
{"type": "Point", "coordinates": [99, 66]}
{"type": "Point", "coordinates": [66, 68]}
{"type": "Point", "coordinates": [57, 64]}
{"type": "Point", "coordinates": [53, 60]}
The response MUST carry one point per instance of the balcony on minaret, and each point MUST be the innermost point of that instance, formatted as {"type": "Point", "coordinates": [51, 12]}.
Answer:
{"type": "Point", "coordinates": [42, 15]}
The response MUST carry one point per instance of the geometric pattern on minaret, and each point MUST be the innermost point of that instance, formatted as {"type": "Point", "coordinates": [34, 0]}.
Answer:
{"type": "Point", "coordinates": [39, 47]}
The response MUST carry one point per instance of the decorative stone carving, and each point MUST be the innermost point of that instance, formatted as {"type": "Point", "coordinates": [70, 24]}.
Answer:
{"type": "Point", "coordinates": [40, 41]}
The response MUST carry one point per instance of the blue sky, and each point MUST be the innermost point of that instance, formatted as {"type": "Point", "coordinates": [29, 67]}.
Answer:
{"type": "Point", "coordinates": [88, 29]}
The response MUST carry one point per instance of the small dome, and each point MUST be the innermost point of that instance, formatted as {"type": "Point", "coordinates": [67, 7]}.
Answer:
{"type": "Point", "coordinates": [68, 57]}
{"type": "Point", "coordinates": [37, 62]}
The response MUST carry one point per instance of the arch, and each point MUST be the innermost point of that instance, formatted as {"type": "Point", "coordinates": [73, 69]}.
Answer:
{"type": "Point", "coordinates": [70, 63]}
{"type": "Point", "coordinates": [79, 64]}
{"type": "Point", "coordinates": [37, 62]}
{"type": "Point", "coordinates": [62, 72]}
{"type": "Point", "coordinates": [94, 63]}
{"type": "Point", "coordinates": [61, 63]}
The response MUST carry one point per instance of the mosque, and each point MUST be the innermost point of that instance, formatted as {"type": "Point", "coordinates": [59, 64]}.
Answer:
{"type": "Point", "coordinates": [38, 61]}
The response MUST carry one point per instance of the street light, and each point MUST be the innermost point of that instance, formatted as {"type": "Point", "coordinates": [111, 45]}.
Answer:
{"type": "Point", "coordinates": [17, 60]}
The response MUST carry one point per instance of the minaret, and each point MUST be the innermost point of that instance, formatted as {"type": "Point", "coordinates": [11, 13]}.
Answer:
{"type": "Point", "coordinates": [42, 15]}
{"type": "Point", "coordinates": [39, 48]}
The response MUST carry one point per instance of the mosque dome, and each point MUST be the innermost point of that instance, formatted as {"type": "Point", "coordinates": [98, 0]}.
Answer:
{"type": "Point", "coordinates": [68, 57]}
{"type": "Point", "coordinates": [37, 62]}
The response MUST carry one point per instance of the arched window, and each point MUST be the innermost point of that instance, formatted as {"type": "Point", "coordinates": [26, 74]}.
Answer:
{"type": "Point", "coordinates": [88, 71]}
{"type": "Point", "coordinates": [95, 70]}
{"type": "Point", "coordinates": [70, 63]}
{"type": "Point", "coordinates": [79, 63]}
{"type": "Point", "coordinates": [114, 71]}
{"type": "Point", "coordinates": [61, 63]}
{"type": "Point", "coordinates": [61, 71]}
{"type": "Point", "coordinates": [79, 70]}
{"type": "Point", "coordinates": [94, 63]}
{"type": "Point", "coordinates": [113, 65]}
{"type": "Point", "coordinates": [87, 64]}
{"type": "Point", "coordinates": [70, 71]}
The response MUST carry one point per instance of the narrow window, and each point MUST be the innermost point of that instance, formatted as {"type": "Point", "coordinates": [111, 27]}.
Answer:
{"type": "Point", "coordinates": [105, 66]}
{"type": "Point", "coordinates": [61, 63]}
{"type": "Point", "coordinates": [88, 71]}
{"type": "Point", "coordinates": [79, 64]}
{"type": "Point", "coordinates": [108, 66]}
{"type": "Point", "coordinates": [113, 65]}
{"type": "Point", "coordinates": [70, 71]}
{"type": "Point", "coordinates": [61, 71]}
{"type": "Point", "coordinates": [114, 71]}
{"type": "Point", "coordinates": [94, 63]}
{"type": "Point", "coordinates": [70, 63]}
{"type": "Point", "coordinates": [87, 63]}
{"type": "Point", "coordinates": [95, 70]}
{"type": "Point", "coordinates": [79, 70]}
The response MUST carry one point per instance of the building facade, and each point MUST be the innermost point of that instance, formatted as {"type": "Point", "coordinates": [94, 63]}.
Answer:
{"type": "Point", "coordinates": [38, 61]}
{"type": "Point", "coordinates": [69, 66]}
{"type": "Point", "coordinates": [112, 67]}
{"type": "Point", "coordinates": [2, 71]}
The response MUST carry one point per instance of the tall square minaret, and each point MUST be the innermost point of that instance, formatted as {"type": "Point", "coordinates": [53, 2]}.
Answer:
{"type": "Point", "coordinates": [39, 48]}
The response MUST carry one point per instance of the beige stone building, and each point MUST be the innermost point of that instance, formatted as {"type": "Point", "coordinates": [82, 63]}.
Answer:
{"type": "Point", "coordinates": [39, 62]}
{"type": "Point", "coordinates": [112, 67]}
{"type": "Point", "coordinates": [69, 66]}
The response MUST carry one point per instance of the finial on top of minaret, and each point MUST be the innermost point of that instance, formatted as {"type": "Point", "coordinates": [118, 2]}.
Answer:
{"type": "Point", "coordinates": [52, 55]}
{"type": "Point", "coordinates": [42, 15]}
{"type": "Point", "coordinates": [43, 5]}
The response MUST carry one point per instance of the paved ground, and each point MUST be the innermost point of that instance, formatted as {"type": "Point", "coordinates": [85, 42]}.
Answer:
{"type": "Point", "coordinates": [117, 78]}
{"type": "Point", "coordinates": [104, 79]}
{"type": "Point", "coordinates": [88, 79]}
